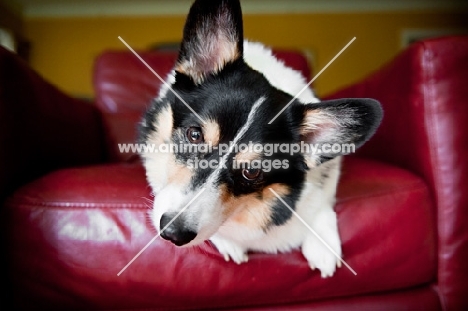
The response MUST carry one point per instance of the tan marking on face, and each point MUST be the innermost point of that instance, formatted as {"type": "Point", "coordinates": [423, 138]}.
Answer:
{"type": "Point", "coordinates": [161, 167]}
{"type": "Point", "coordinates": [246, 157]}
{"type": "Point", "coordinates": [163, 126]}
{"type": "Point", "coordinates": [211, 132]}
{"type": "Point", "coordinates": [252, 210]}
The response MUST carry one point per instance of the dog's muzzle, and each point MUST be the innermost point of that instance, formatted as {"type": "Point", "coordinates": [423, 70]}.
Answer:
{"type": "Point", "coordinates": [176, 232]}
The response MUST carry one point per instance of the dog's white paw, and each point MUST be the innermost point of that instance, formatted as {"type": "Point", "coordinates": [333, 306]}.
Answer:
{"type": "Point", "coordinates": [230, 250]}
{"type": "Point", "coordinates": [318, 255]}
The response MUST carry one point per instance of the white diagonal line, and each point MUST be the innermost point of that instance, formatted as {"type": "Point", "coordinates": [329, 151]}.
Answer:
{"type": "Point", "coordinates": [159, 234]}
{"type": "Point", "coordinates": [236, 139]}
{"type": "Point", "coordinates": [313, 231]}
{"type": "Point", "coordinates": [161, 79]}
{"type": "Point", "coordinates": [308, 84]}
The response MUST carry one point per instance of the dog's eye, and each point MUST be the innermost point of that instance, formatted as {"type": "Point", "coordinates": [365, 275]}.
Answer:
{"type": "Point", "coordinates": [194, 135]}
{"type": "Point", "coordinates": [251, 173]}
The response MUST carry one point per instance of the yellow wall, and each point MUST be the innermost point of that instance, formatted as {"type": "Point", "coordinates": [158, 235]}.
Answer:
{"type": "Point", "coordinates": [63, 50]}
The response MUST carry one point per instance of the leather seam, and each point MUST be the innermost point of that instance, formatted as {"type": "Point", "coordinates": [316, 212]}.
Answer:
{"type": "Point", "coordinates": [65, 205]}
{"type": "Point", "coordinates": [97, 205]}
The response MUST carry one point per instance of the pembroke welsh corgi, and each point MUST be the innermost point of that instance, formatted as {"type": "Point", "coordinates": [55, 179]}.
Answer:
{"type": "Point", "coordinates": [250, 156]}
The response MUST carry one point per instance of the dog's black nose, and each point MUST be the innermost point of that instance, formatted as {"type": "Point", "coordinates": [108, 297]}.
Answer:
{"type": "Point", "coordinates": [176, 231]}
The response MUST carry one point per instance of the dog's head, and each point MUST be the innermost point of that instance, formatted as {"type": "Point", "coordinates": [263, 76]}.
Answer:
{"type": "Point", "coordinates": [219, 103]}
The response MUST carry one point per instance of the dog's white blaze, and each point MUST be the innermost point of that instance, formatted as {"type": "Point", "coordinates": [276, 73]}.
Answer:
{"type": "Point", "coordinates": [236, 139]}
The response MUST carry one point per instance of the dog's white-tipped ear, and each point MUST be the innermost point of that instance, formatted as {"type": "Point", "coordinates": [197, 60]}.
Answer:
{"type": "Point", "coordinates": [213, 37]}
{"type": "Point", "coordinates": [338, 127]}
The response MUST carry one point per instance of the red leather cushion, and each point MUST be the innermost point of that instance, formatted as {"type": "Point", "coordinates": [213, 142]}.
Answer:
{"type": "Point", "coordinates": [75, 229]}
{"type": "Point", "coordinates": [414, 299]}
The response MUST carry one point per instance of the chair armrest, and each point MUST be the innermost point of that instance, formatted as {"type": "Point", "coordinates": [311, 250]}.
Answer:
{"type": "Point", "coordinates": [41, 129]}
{"type": "Point", "coordinates": [425, 104]}
{"type": "Point", "coordinates": [424, 95]}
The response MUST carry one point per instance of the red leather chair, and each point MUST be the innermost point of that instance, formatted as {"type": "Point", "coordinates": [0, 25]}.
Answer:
{"type": "Point", "coordinates": [74, 209]}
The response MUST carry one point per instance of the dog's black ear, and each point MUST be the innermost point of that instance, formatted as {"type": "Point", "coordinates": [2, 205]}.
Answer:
{"type": "Point", "coordinates": [337, 127]}
{"type": "Point", "coordinates": [213, 37]}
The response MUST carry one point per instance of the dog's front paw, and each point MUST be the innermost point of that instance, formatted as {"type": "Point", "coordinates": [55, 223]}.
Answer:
{"type": "Point", "coordinates": [230, 250]}
{"type": "Point", "coordinates": [317, 253]}
{"type": "Point", "coordinates": [320, 257]}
